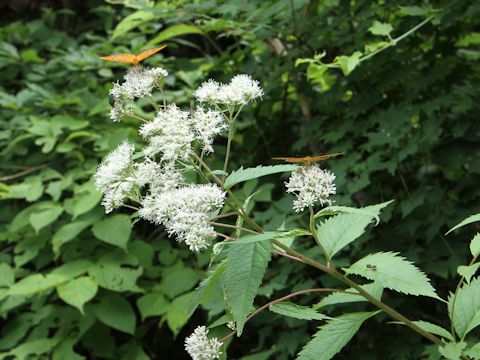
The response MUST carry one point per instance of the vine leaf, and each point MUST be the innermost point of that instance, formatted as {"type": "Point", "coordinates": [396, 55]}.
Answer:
{"type": "Point", "coordinates": [242, 174]}
{"type": "Point", "coordinates": [465, 314]}
{"type": "Point", "coordinates": [393, 272]}
{"type": "Point", "coordinates": [246, 264]}
{"type": "Point", "coordinates": [333, 336]}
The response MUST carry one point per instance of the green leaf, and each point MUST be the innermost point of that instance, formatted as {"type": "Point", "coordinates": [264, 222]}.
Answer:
{"type": "Point", "coordinates": [208, 286]}
{"type": "Point", "coordinates": [178, 280]}
{"type": "Point", "coordinates": [434, 329]}
{"type": "Point", "coordinates": [116, 312]}
{"type": "Point", "coordinates": [468, 220]}
{"type": "Point", "coordinates": [114, 230]}
{"type": "Point", "coordinates": [415, 10]}
{"type": "Point", "coordinates": [242, 174]}
{"type": "Point", "coordinates": [473, 352]}
{"type": "Point", "coordinates": [45, 215]}
{"type": "Point", "coordinates": [152, 304]}
{"type": "Point", "coordinates": [379, 28]}
{"type": "Point", "coordinates": [270, 235]}
{"type": "Point", "coordinates": [246, 264]}
{"type": "Point", "coordinates": [296, 311]}
{"type": "Point", "coordinates": [7, 276]}
{"type": "Point", "coordinates": [36, 283]}
{"type": "Point", "coordinates": [475, 245]}
{"type": "Point", "coordinates": [178, 312]}
{"type": "Point", "coordinates": [373, 289]}
{"type": "Point", "coordinates": [464, 310]}
{"type": "Point", "coordinates": [468, 271]}
{"type": "Point", "coordinates": [333, 336]}
{"type": "Point", "coordinates": [86, 197]}
{"type": "Point", "coordinates": [393, 272]}
{"type": "Point", "coordinates": [67, 233]}
{"type": "Point", "coordinates": [452, 351]}
{"type": "Point", "coordinates": [348, 63]}
{"type": "Point", "coordinates": [132, 21]}
{"type": "Point", "coordinates": [371, 210]}
{"type": "Point", "coordinates": [78, 291]}
{"type": "Point", "coordinates": [340, 230]}
{"type": "Point", "coordinates": [174, 31]}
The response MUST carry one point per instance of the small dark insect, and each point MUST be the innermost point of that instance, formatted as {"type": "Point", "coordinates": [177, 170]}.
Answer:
{"type": "Point", "coordinates": [372, 267]}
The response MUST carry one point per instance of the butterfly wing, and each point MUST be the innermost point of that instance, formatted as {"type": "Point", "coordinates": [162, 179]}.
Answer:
{"type": "Point", "coordinates": [147, 53]}
{"type": "Point", "coordinates": [292, 160]}
{"type": "Point", "coordinates": [307, 159]}
{"type": "Point", "coordinates": [323, 157]}
{"type": "Point", "coordinates": [123, 58]}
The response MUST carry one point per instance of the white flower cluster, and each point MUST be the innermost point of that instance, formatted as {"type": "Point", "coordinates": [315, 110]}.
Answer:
{"type": "Point", "coordinates": [114, 176]}
{"type": "Point", "coordinates": [185, 213]}
{"type": "Point", "coordinates": [311, 184]}
{"type": "Point", "coordinates": [172, 132]}
{"type": "Point", "coordinates": [239, 91]}
{"type": "Point", "coordinates": [138, 82]}
{"type": "Point", "coordinates": [200, 347]}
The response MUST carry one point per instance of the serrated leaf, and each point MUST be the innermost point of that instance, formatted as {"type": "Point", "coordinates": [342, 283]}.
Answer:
{"type": "Point", "coordinates": [246, 264]}
{"type": "Point", "coordinates": [174, 31]}
{"type": "Point", "coordinates": [242, 174]}
{"type": "Point", "coordinates": [373, 289]}
{"type": "Point", "coordinates": [270, 235]}
{"type": "Point", "coordinates": [78, 291]}
{"type": "Point", "coordinates": [116, 312]}
{"type": "Point", "coordinates": [333, 336]}
{"type": "Point", "coordinates": [464, 310]}
{"type": "Point", "coordinates": [207, 286]}
{"type": "Point", "coordinates": [452, 351]}
{"type": "Point", "coordinates": [340, 230]}
{"type": "Point", "coordinates": [393, 272]}
{"type": "Point", "coordinates": [475, 245]}
{"type": "Point", "coordinates": [473, 352]}
{"type": "Point", "coordinates": [468, 271]}
{"type": "Point", "coordinates": [433, 329]}
{"type": "Point", "coordinates": [290, 309]}
{"type": "Point", "coordinates": [114, 230]}
{"type": "Point", "coordinates": [372, 210]}
{"type": "Point", "coordinates": [468, 220]}
{"type": "Point", "coordinates": [379, 28]}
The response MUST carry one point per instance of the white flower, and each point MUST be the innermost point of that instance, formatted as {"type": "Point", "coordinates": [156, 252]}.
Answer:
{"type": "Point", "coordinates": [113, 176]}
{"type": "Point", "coordinates": [169, 134]}
{"type": "Point", "coordinates": [207, 124]}
{"type": "Point", "coordinates": [231, 325]}
{"type": "Point", "coordinates": [138, 82]}
{"type": "Point", "coordinates": [240, 91]}
{"type": "Point", "coordinates": [311, 184]}
{"type": "Point", "coordinates": [185, 212]}
{"type": "Point", "coordinates": [200, 347]}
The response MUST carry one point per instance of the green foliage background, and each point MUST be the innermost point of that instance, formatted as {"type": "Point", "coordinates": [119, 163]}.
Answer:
{"type": "Point", "coordinates": [86, 286]}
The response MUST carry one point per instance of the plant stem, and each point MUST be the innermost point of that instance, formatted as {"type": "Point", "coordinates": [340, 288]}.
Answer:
{"type": "Point", "coordinates": [313, 230]}
{"type": "Point", "coordinates": [229, 144]}
{"type": "Point", "coordinates": [286, 297]}
{"type": "Point", "coordinates": [233, 227]}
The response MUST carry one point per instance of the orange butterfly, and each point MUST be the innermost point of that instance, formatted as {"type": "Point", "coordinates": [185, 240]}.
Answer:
{"type": "Point", "coordinates": [307, 160]}
{"type": "Point", "coordinates": [131, 58]}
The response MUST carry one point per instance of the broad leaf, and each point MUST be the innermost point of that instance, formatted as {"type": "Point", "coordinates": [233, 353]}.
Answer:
{"type": "Point", "coordinates": [78, 291]}
{"type": "Point", "coordinates": [208, 286]}
{"type": "Point", "coordinates": [452, 351]}
{"type": "Point", "coordinates": [174, 31]}
{"type": "Point", "coordinates": [379, 28]}
{"type": "Point", "coordinates": [36, 283]}
{"type": "Point", "coordinates": [351, 295]}
{"type": "Point", "coordinates": [434, 329]}
{"type": "Point", "coordinates": [348, 63]}
{"type": "Point", "coordinates": [116, 312]}
{"type": "Point", "coordinates": [114, 230]}
{"type": "Point", "coordinates": [393, 272]}
{"type": "Point", "coordinates": [473, 352]}
{"type": "Point", "coordinates": [67, 233]}
{"type": "Point", "coordinates": [178, 312]}
{"type": "Point", "coordinates": [371, 210]}
{"type": "Point", "coordinates": [475, 245]}
{"type": "Point", "coordinates": [132, 21]}
{"type": "Point", "coordinates": [246, 264]}
{"type": "Point", "coordinates": [333, 336]}
{"type": "Point", "coordinates": [464, 311]}
{"type": "Point", "coordinates": [296, 311]}
{"type": "Point", "coordinates": [242, 174]}
{"type": "Point", "coordinates": [45, 215]}
{"type": "Point", "coordinates": [7, 276]}
{"type": "Point", "coordinates": [152, 304]}
{"type": "Point", "coordinates": [468, 220]}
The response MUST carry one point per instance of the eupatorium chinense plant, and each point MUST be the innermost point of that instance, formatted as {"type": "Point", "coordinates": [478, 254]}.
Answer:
{"type": "Point", "coordinates": [169, 182]}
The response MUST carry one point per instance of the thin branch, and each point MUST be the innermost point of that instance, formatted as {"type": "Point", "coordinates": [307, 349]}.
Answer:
{"type": "Point", "coordinates": [233, 227]}
{"type": "Point", "coordinates": [23, 172]}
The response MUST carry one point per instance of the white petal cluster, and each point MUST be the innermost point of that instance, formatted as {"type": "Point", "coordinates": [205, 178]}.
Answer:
{"type": "Point", "coordinates": [169, 134]}
{"type": "Point", "coordinates": [239, 91]}
{"type": "Point", "coordinates": [207, 124]}
{"type": "Point", "coordinates": [113, 176]}
{"type": "Point", "coordinates": [185, 213]}
{"type": "Point", "coordinates": [200, 347]}
{"type": "Point", "coordinates": [138, 82]}
{"type": "Point", "coordinates": [311, 184]}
